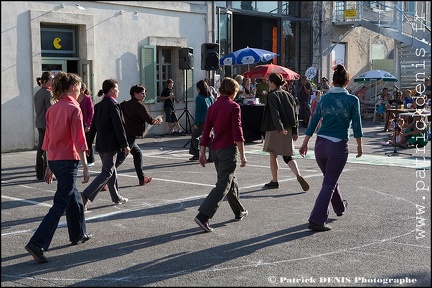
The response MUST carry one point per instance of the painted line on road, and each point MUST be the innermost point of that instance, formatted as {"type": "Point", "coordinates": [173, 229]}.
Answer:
{"type": "Point", "coordinates": [147, 205]}
{"type": "Point", "coordinates": [419, 162]}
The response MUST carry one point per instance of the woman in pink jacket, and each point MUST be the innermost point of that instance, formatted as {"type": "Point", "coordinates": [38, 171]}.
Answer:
{"type": "Point", "coordinates": [65, 145]}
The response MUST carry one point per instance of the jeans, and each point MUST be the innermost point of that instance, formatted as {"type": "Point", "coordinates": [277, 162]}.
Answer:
{"type": "Point", "coordinates": [137, 157]}
{"type": "Point", "coordinates": [66, 199]}
{"type": "Point", "coordinates": [41, 161]}
{"type": "Point", "coordinates": [225, 161]}
{"type": "Point", "coordinates": [331, 157]}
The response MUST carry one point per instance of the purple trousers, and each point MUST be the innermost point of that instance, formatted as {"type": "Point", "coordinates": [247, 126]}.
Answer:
{"type": "Point", "coordinates": [331, 157]}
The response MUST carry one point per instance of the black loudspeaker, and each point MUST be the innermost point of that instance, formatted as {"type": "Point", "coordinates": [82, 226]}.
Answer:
{"type": "Point", "coordinates": [186, 58]}
{"type": "Point", "coordinates": [209, 56]}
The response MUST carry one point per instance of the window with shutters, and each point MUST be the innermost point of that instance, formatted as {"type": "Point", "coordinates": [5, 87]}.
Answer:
{"type": "Point", "coordinates": [156, 68]}
{"type": "Point", "coordinates": [148, 72]}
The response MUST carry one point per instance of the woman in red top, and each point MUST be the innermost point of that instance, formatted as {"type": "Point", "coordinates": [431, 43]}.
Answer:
{"type": "Point", "coordinates": [65, 145]}
{"type": "Point", "coordinates": [224, 118]}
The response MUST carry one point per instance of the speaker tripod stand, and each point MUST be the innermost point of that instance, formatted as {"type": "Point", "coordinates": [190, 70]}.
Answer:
{"type": "Point", "coordinates": [186, 113]}
{"type": "Point", "coordinates": [395, 152]}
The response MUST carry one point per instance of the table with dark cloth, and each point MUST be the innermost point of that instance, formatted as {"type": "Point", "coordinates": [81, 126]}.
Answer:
{"type": "Point", "coordinates": [251, 117]}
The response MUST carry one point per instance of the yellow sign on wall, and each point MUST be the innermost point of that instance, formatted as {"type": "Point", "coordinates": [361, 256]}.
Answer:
{"type": "Point", "coordinates": [350, 13]}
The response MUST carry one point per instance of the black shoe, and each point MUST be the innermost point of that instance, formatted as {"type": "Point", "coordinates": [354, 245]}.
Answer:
{"type": "Point", "coordinates": [240, 216]}
{"type": "Point", "coordinates": [318, 228]}
{"type": "Point", "coordinates": [36, 252]}
{"type": "Point", "coordinates": [346, 205]}
{"type": "Point", "coordinates": [204, 225]}
{"type": "Point", "coordinates": [304, 184]}
{"type": "Point", "coordinates": [83, 239]}
{"type": "Point", "coordinates": [209, 160]}
{"type": "Point", "coordinates": [194, 158]}
{"type": "Point", "coordinates": [271, 185]}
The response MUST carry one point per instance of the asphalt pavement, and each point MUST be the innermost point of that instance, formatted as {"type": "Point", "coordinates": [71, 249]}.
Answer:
{"type": "Point", "coordinates": [383, 239]}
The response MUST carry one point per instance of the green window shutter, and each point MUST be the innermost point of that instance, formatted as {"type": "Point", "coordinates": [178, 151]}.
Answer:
{"type": "Point", "coordinates": [190, 85]}
{"type": "Point", "coordinates": [148, 72]}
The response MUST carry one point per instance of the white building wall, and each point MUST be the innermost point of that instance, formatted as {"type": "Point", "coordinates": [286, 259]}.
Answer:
{"type": "Point", "coordinates": [113, 44]}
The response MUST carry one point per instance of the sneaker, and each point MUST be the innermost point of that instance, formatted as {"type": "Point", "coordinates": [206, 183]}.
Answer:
{"type": "Point", "coordinates": [271, 185]}
{"type": "Point", "coordinates": [122, 200]}
{"type": "Point", "coordinates": [304, 184]}
{"type": "Point", "coordinates": [209, 160]}
{"type": "Point", "coordinates": [85, 202]}
{"type": "Point", "coordinates": [346, 205]}
{"type": "Point", "coordinates": [194, 158]}
{"type": "Point", "coordinates": [181, 132]}
{"type": "Point", "coordinates": [240, 216]}
{"type": "Point", "coordinates": [205, 226]}
{"type": "Point", "coordinates": [145, 181]}
{"type": "Point", "coordinates": [36, 252]}
{"type": "Point", "coordinates": [90, 164]}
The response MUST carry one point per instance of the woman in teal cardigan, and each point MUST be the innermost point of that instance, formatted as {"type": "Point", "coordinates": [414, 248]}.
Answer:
{"type": "Point", "coordinates": [339, 111]}
{"type": "Point", "coordinates": [203, 100]}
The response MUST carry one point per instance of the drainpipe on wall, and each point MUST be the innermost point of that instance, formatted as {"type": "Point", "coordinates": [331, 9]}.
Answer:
{"type": "Point", "coordinates": [321, 41]}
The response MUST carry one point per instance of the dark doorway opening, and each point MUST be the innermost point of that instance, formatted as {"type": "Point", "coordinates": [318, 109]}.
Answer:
{"type": "Point", "coordinates": [253, 31]}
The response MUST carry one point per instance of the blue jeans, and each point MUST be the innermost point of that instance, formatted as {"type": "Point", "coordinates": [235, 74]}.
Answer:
{"type": "Point", "coordinates": [66, 199]}
{"type": "Point", "coordinates": [331, 157]}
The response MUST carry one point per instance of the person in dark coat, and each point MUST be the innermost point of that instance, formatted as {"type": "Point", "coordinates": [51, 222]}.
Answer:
{"type": "Point", "coordinates": [136, 115]}
{"type": "Point", "coordinates": [108, 127]}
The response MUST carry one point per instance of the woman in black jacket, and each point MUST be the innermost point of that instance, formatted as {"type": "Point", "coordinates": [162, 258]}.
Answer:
{"type": "Point", "coordinates": [108, 127]}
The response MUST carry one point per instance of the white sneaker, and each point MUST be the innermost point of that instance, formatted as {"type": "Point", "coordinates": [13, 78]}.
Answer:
{"type": "Point", "coordinates": [122, 200]}
{"type": "Point", "coordinates": [240, 216]}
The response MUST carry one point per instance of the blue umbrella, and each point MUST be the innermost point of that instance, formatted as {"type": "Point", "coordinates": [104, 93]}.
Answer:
{"type": "Point", "coordinates": [247, 56]}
